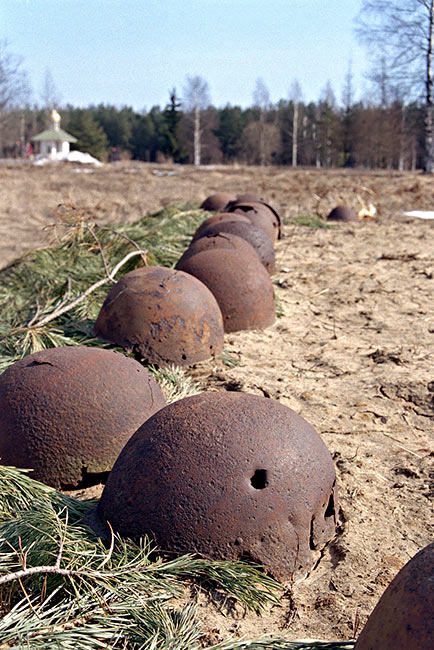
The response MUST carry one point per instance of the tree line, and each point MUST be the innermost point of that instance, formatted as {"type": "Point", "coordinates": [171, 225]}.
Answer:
{"type": "Point", "coordinates": [392, 129]}
{"type": "Point", "coordinates": [290, 132]}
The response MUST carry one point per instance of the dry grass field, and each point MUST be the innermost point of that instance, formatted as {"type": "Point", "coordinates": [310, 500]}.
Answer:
{"type": "Point", "coordinates": [352, 352]}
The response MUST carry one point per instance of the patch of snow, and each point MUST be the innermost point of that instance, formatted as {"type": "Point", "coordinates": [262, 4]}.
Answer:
{"type": "Point", "coordinates": [71, 156]}
{"type": "Point", "coordinates": [42, 160]}
{"type": "Point", "coordinates": [80, 157]}
{"type": "Point", "coordinates": [420, 214]}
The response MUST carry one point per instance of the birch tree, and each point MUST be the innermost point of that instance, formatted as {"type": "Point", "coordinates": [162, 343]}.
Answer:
{"type": "Point", "coordinates": [50, 96]}
{"type": "Point", "coordinates": [261, 101]}
{"type": "Point", "coordinates": [196, 99]}
{"type": "Point", "coordinates": [295, 95]}
{"type": "Point", "coordinates": [403, 32]}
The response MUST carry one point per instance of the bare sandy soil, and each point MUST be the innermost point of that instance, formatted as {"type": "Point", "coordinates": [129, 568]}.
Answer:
{"type": "Point", "coordinates": [352, 352]}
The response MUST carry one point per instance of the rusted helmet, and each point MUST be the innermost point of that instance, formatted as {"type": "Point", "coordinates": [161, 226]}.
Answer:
{"type": "Point", "coordinates": [403, 618]}
{"type": "Point", "coordinates": [248, 196]}
{"type": "Point", "coordinates": [220, 240]}
{"type": "Point", "coordinates": [218, 218]}
{"type": "Point", "coordinates": [342, 213]}
{"type": "Point", "coordinates": [240, 284]}
{"type": "Point", "coordinates": [164, 316]}
{"type": "Point", "coordinates": [251, 198]}
{"type": "Point", "coordinates": [68, 412]}
{"type": "Point", "coordinates": [228, 475]}
{"type": "Point", "coordinates": [255, 236]}
{"type": "Point", "coordinates": [217, 201]}
{"type": "Point", "coordinates": [259, 215]}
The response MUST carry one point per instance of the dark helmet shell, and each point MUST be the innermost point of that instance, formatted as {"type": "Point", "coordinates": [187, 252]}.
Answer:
{"type": "Point", "coordinates": [227, 475]}
{"type": "Point", "coordinates": [240, 284]}
{"type": "Point", "coordinates": [165, 316]}
{"type": "Point", "coordinates": [67, 412]}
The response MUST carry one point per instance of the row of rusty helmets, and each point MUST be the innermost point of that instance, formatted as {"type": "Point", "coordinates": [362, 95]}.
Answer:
{"type": "Point", "coordinates": [256, 209]}
{"type": "Point", "coordinates": [343, 213]}
{"type": "Point", "coordinates": [178, 316]}
{"type": "Point", "coordinates": [227, 475]}
{"type": "Point", "coordinates": [232, 253]}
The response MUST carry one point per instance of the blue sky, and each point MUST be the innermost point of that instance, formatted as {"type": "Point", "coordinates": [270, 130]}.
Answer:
{"type": "Point", "coordinates": [132, 52]}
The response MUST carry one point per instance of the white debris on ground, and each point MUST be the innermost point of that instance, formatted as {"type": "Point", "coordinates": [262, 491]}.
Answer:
{"type": "Point", "coordinates": [71, 156]}
{"type": "Point", "coordinates": [164, 172]}
{"type": "Point", "coordinates": [366, 211]}
{"type": "Point", "coordinates": [420, 214]}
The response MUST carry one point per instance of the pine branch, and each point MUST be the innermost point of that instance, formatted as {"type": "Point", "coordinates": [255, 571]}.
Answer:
{"type": "Point", "coordinates": [110, 277]}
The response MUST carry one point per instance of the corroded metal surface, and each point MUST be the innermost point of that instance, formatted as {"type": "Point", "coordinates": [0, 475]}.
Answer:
{"type": "Point", "coordinates": [255, 236]}
{"type": "Point", "coordinates": [217, 201]}
{"type": "Point", "coordinates": [251, 198]}
{"type": "Point", "coordinates": [403, 618]}
{"type": "Point", "coordinates": [164, 316]}
{"type": "Point", "coordinates": [218, 218]}
{"type": "Point", "coordinates": [68, 412]}
{"type": "Point", "coordinates": [240, 284]}
{"type": "Point", "coordinates": [259, 215]}
{"type": "Point", "coordinates": [220, 240]}
{"type": "Point", "coordinates": [248, 196]}
{"type": "Point", "coordinates": [342, 213]}
{"type": "Point", "coordinates": [228, 475]}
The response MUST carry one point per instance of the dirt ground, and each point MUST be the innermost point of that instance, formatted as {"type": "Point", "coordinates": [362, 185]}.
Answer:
{"type": "Point", "coordinates": [352, 352]}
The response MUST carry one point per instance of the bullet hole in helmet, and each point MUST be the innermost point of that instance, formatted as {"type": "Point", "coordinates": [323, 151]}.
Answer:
{"type": "Point", "coordinates": [330, 510]}
{"type": "Point", "coordinates": [259, 479]}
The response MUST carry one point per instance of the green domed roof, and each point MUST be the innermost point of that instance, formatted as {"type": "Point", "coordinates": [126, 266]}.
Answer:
{"type": "Point", "coordinates": [54, 134]}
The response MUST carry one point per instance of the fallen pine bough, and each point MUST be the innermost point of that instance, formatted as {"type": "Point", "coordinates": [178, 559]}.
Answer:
{"type": "Point", "coordinates": [62, 587]}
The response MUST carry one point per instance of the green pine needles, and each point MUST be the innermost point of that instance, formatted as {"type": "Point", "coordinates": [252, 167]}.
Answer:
{"type": "Point", "coordinates": [62, 587]}
{"type": "Point", "coordinates": [52, 296]}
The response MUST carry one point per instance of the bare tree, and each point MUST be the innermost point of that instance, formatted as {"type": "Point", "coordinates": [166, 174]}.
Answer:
{"type": "Point", "coordinates": [325, 135]}
{"type": "Point", "coordinates": [196, 99]}
{"type": "Point", "coordinates": [251, 139]}
{"type": "Point", "coordinates": [49, 95]}
{"type": "Point", "coordinates": [348, 88]}
{"type": "Point", "coordinates": [347, 119]}
{"type": "Point", "coordinates": [261, 100]}
{"type": "Point", "coordinates": [295, 95]}
{"type": "Point", "coordinates": [402, 31]}
{"type": "Point", "coordinates": [14, 86]}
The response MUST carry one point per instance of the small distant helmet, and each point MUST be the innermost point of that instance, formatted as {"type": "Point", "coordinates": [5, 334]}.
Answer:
{"type": "Point", "coordinates": [403, 618]}
{"type": "Point", "coordinates": [164, 316]}
{"type": "Point", "coordinates": [227, 475]}
{"type": "Point", "coordinates": [252, 198]}
{"type": "Point", "coordinates": [248, 196]}
{"type": "Point", "coordinates": [67, 412]}
{"type": "Point", "coordinates": [218, 218]}
{"type": "Point", "coordinates": [217, 201]}
{"type": "Point", "coordinates": [342, 213]}
{"type": "Point", "coordinates": [259, 215]}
